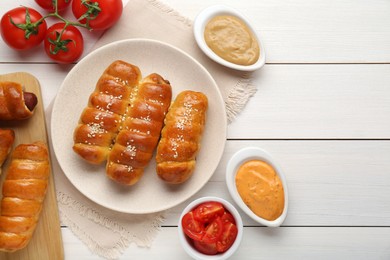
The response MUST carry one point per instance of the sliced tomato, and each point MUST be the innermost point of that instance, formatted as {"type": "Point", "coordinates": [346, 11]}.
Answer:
{"type": "Point", "coordinates": [227, 238]}
{"type": "Point", "coordinates": [227, 217]}
{"type": "Point", "coordinates": [192, 227]}
{"type": "Point", "coordinates": [213, 231]}
{"type": "Point", "coordinates": [207, 211]}
{"type": "Point", "coordinates": [205, 248]}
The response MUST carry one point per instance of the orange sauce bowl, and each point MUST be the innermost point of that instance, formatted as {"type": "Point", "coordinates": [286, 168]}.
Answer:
{"type": "Point", "coordinates": [241, 158]}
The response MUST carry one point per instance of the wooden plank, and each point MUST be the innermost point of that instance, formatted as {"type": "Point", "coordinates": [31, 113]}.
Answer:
{"type": "Point", "coordinates": [300, 31]}
{"type": "Point", "coordinates": [330, 183]}
{"type": "Point", "coordinates": [317, 101]}
{"type": "Point", "coordinates": [316, 31]}
{"type": "Point", "coordinates": [265, 243]}
{"type": "Point", "coordinates": [322, 101]}
{"type": "Point", "coordinates": [46, 242]}
{"type": "Point", "coordinates": [50, 77]}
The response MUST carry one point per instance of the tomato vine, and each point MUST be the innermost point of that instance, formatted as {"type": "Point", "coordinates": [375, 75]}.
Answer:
{"type": "Point", "coordinates": [23, 30]}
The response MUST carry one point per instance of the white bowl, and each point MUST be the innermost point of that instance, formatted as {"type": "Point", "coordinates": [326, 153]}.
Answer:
{"type": "Point", "coordinates": [199, 25]}
{"type": "Point", "coordinates": [191, 251]}
{"type": "Point", "coordinates": [240, 157]}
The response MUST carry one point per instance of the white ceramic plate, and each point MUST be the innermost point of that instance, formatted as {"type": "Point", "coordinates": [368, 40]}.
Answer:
{"type": "Point", "coordinates": [150, 194]}
{"type": "Point", "coordinates": [242, 156]}
{"type": "Point", "coordinates": [200, 23]}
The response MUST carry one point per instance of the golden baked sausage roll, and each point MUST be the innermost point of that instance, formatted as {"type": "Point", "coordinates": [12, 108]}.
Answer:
{"type": "Point", "coordinates": [24, 190]}
{"type": "Point", "coordinates": [15, 103]}
{"type": "Point", "coordinates": [7, 138]}
{"type": "Point", "coordinates": [101, 120]}
{"type": "Point", "coordinates": [135, 143]}
{"type": "Point", "coordinates": [181, 137]}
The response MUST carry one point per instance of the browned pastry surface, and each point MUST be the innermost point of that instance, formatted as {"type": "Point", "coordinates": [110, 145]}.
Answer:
{"type": "Point", "coordinates": [141, 129]}
{"type": "Point", "coordinates": [15, 104]}
{"type": "Point", "coordinates": [181, 137]}
{"type": "Point", "coordinates": [101, 120]}
{"type": "Point", "coordinates": [24, 190]}
{"type": "Point", "coordinates": [7, 138]}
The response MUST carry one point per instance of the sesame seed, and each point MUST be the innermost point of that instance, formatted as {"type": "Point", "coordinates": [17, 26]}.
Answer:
{"type": "Point", "coordinates": [132, 150]}
{"type": "Point", "coordinates": [129, 168]}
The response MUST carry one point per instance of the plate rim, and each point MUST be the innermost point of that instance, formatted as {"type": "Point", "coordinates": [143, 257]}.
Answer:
{"type": "Point", "coordinates": [150, 41]}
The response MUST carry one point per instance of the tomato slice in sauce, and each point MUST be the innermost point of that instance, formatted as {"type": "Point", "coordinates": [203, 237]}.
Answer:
{"type": "Point", "coordinates": [227, 217]}
{"type": "Point", "coordinates": [207, 211]}
{"type": "Point", "coordinates": [227, 238]}
{"type": "Point", "coordinates": [205, 248]}
{"type": "Point", "coordinates": [213, 231]}
{"type": "Point", "coordinates": [192, 227]}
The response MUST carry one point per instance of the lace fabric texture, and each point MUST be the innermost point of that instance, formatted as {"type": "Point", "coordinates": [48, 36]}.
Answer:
{"type": "Point", "coordinates": [87, 220]}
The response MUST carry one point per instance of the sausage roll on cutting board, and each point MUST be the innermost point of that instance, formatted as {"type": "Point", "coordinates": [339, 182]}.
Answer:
{"type": "Point", "coordinates": [7, 138]}
{"type": "Point", "coordinates": [181, 136]}
{"type": "Point", "coordinates": [15, 104]}
{"type": "Point", "coordinates": [135, 143]}
{"type": "Point", "coordinates": [24, 190]}
{"type": "Point", "coordinates": [100, 122]}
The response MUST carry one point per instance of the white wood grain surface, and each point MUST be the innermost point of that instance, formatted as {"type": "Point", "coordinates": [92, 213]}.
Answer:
{"type": "Point", "coordinates": [300, 31]}
{"type": "Point", "coordinates": [322, 110]}
{"type": "Point", "coordinates": [267, 243]}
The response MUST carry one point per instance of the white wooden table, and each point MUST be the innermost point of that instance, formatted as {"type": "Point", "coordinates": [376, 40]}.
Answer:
{"type": "Point", "coordinates": [322, 109]}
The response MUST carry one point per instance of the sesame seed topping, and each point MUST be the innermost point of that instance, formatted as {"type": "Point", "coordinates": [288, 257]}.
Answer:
{"type": "Point", "coordinates": [129, 168]}
{"type": "Point", "coordinates": [131, 149]}
{"type": "Point", "coordinates": [95, 129]}
{"type": "Point", "coordinates": [147, 118]}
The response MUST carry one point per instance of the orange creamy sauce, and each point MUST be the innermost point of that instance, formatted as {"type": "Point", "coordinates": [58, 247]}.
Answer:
{"type": "Point", "coordinates": [261, 189]}
{"type": "Point", "coordinates": [231, 39]}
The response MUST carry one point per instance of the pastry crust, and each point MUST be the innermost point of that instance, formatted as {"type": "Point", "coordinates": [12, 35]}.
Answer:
{"type": "Point", "coordinates": [12, 102]}
{"type": "Point", "coordinates": [24, 190]}
{"type": "Point", "coordinates": [181, 137]}
{"type": "Point", "coordinates": [7, 138]}
{"type": "Point", "coordinates": [101, 120]}
{"type": "Point", "coordinates": [136, 142]}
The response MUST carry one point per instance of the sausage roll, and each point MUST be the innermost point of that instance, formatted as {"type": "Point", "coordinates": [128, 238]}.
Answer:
{"type": "Point", "coordinates": [181, 137]}
{"type": "Point", "coordinates": [7, 138]}
{"type": "Point", "coordinates": [101, 120]}
{"type": "Point", "coordinates": [16, 104]}
{"type": "Point", "coordinates": [24, 190]}
{"type": "Point", "coordinates": [135, 143]}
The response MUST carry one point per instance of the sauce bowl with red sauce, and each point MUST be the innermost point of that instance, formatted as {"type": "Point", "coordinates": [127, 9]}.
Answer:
{"type": "Point", "coordinates": [210, 228]}
{"type": "Point", "coordinates": [258, 186]}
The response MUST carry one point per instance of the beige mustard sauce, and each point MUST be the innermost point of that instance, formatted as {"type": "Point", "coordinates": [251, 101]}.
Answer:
{"type": "Point", "coordinates": [261, 189]}
{"type": "Point", "coordinates": [231, 39]}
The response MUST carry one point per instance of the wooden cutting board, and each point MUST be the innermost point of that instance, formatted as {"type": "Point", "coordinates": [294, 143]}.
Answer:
{"type": "Point", "coordinates": [46, 242]}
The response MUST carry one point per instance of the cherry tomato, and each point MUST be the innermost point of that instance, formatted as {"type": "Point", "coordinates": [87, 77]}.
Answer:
{"type": "Point", "coordinates": [191, 227]}
{"type": "Point", "coordinates": [227, 217]}
{"type": "Point", "coordinates": [48, 4]}
{"type": "Point", "coordinates": [204, 248]}
{"type": "Point", "coordinates": [207, 211]}
{"type": "Point", "coordinates": [100, 14]}
{"type": "Point", "coordinates": [64, 45]}
{"type": "Point", "coordinates": [18, 28]}
{"type": "Point", "coordinates": [227, 238]}
{"type": "Point", "coordinates": [213, 231]}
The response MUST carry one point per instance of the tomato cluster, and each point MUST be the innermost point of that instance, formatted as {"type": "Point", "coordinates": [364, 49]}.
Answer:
{"type": "Point", "coordinates": [211, 227]}
{"type": "Point", "coordinates": [24, 28]}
